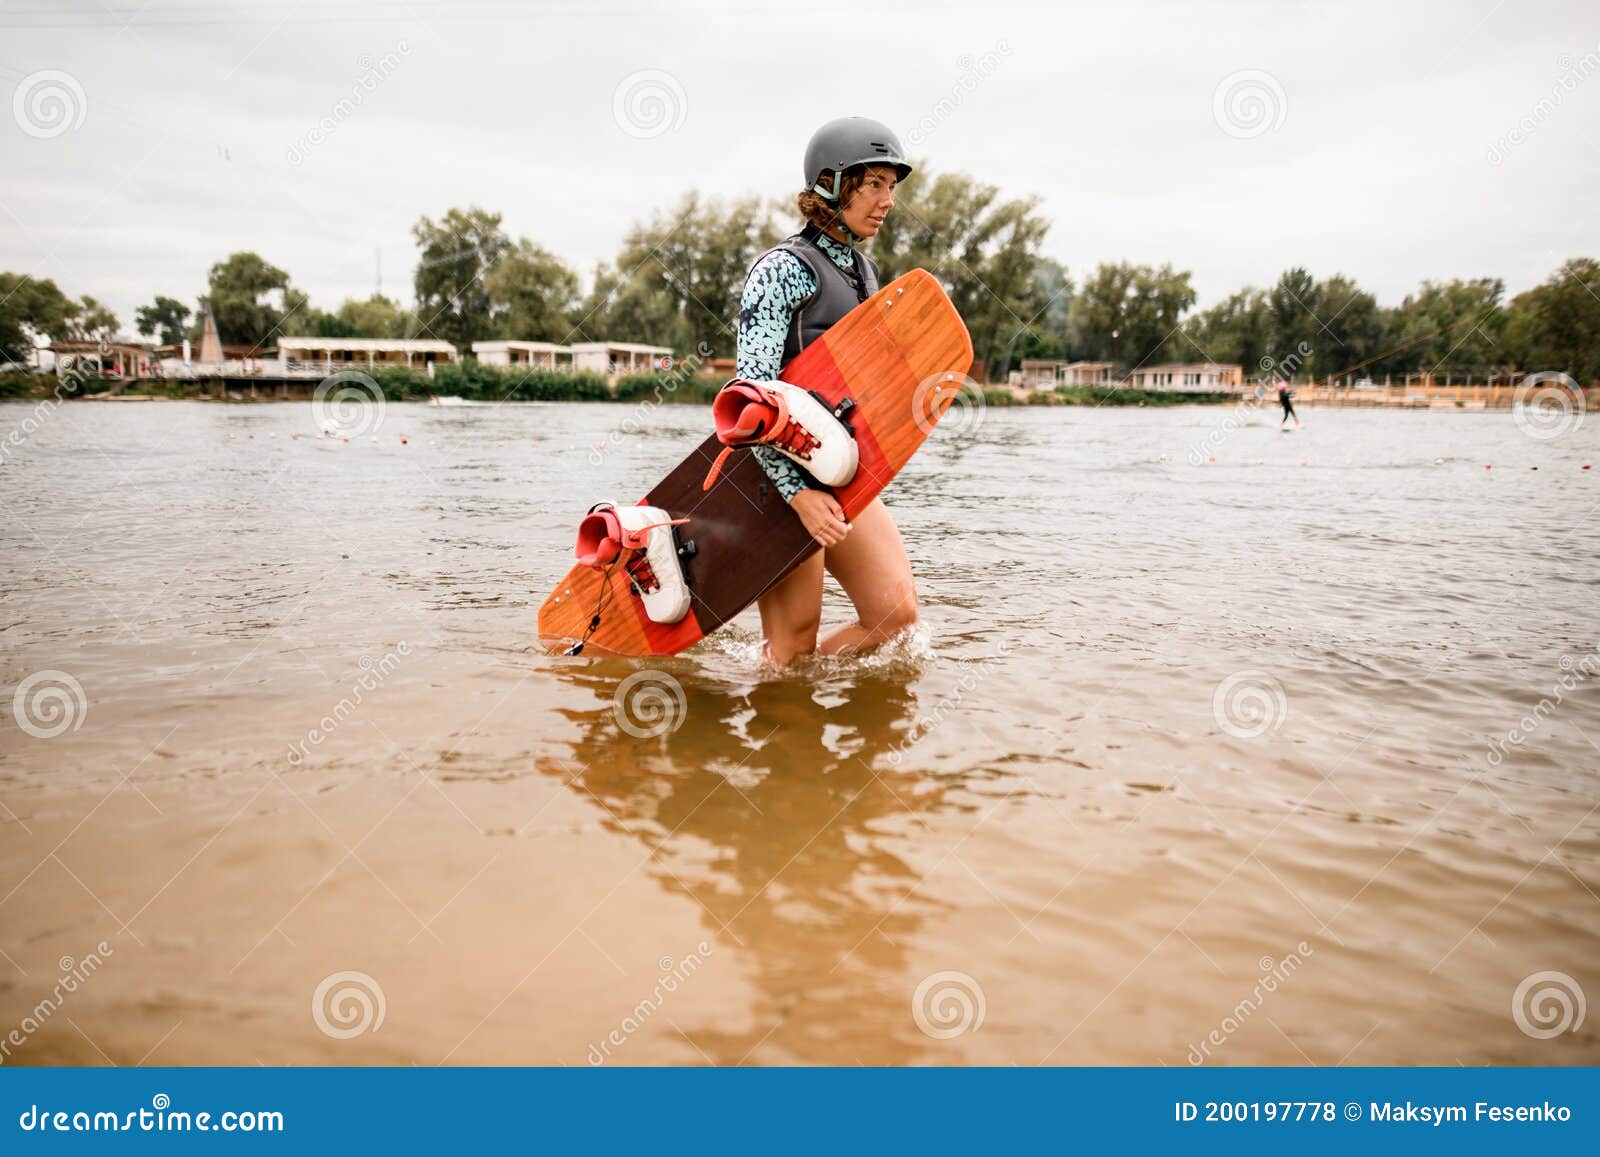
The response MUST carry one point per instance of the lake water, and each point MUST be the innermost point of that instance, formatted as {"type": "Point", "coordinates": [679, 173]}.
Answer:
{"type": "Point", "coordinates": [1219, 745]}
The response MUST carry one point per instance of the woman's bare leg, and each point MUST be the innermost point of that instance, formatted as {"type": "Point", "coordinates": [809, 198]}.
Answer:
{"type": "Point", "coordinates": [872, 567]}
{"type": "Point", "coordinates": [791, 612]}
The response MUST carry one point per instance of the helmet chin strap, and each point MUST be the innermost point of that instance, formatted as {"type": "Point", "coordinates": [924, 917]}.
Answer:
{"type": "Point", "coordinates": [838, 213]}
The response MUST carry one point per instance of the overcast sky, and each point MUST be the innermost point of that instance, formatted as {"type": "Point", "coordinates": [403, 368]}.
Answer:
{"type": "Point", "coordinates": [141, 143]}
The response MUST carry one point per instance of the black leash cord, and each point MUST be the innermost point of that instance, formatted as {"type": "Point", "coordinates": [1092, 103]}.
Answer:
{"type": "Point", "coordinates": [599, 608]}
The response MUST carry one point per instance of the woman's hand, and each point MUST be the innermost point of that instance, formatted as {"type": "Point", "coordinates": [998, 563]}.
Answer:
{"type": "Point", "coordinates": [822, 516]}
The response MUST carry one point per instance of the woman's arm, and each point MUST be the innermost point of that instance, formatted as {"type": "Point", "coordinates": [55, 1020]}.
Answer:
{"type": "Point", "coordinates": [777, 285]}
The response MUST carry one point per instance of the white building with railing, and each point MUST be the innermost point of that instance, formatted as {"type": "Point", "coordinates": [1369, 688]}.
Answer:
{"type": "Point", "coordinates": [1189, 378]}
{"type": "Point", "coordinates": [304, 357]}
{"type": "Point", "coordinates": [1047, 373]}
{"type": "Point", "coordinates": [538, 355]}
{"type": "Point", "coordinates": [616, 359]}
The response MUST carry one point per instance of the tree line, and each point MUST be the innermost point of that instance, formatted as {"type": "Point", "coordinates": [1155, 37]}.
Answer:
{"type": "Point", "coordinates": [676, 278]}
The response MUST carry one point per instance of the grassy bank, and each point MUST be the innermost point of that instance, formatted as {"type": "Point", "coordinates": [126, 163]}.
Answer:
{"type": "Point", "coordinates": [26, 385]}
{"type": "Point", "coordinates": [1099, 396]}
{"type": "Point", "coordinates": [492, 384]}
{"type": "Point", "coordinates": [468, 380]}
{"type": "Point", "coordinates": [478, 382]}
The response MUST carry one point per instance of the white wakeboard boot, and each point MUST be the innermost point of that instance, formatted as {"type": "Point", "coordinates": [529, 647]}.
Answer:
{"type": "Point", "coordinates": [790, 420]}
{"type": "Point", "coordinates": [642, 537]}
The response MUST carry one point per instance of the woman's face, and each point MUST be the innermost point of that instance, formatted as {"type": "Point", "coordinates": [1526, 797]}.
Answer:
{"type": "Point", "coordinates": [872, 202]}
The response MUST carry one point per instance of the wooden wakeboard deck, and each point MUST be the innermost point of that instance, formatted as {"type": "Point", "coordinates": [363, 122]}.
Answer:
{"type": "Point", "coordinates": [901, 353]}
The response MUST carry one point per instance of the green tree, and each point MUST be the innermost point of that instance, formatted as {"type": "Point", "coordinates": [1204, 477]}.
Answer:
{"type": "Point", "coordinates": [533, 293]}
{"type": "Point", "coordinates": [1235, 330]}
{"type": "Point", "coordinates": [1129, 314]}
{"type": "Point", "coordinates": [1049, 335]}
{"type": "Point", "coordinates": [627, 305]}
{"type": "Point", "coordinates": [28, 307]}
{"type": "Point", "coordinates": [677, 279]}
{"type": "Point", "coordinates": [1350, 327]}
{"type": "Point", "coordinates": [313, 322]}
{"type": "Point", "coordinates": [1299, 327]}
{"type": "Point", "coordinates": [1292, 305]}
{"type": "Point", "coordinates": [92, 322]}
{"type": "Point", "coordinates": [455, 256]}
{"type": "Point", "coordinates": [252, 300]}
{"type": "Point", "coordinates": [1556, 325]}
{"type": "Point", "coordinates": [378, 316]}
{"type": "Point", "coordinates": [165, 320]}
{"type": "Point", "coordinates": [1448, 327]}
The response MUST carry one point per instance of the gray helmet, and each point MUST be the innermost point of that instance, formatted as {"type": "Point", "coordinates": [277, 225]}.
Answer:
{"type": "Point", "coordinates": [849, 141]}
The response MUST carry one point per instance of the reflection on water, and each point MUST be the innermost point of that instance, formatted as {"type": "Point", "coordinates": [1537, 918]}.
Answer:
{"type": "Point", "coordinates": [776, 807]}
{"type": "Point", "coordinates": [1168, 718]}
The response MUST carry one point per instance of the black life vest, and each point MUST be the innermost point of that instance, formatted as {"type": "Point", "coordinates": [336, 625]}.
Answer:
{"type": "Point", "coordinates": [838, 290]}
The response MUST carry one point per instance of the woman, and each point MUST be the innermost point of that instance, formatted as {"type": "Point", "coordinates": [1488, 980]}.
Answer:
{"type": "Point", "coordinates": [792, 294]}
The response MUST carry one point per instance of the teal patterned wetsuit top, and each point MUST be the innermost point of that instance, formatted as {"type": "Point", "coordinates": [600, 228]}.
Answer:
{"type": "Point", "coordinates": [777, 285]}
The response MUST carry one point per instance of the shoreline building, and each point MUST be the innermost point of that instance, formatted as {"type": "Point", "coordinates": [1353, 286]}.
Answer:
{"type": "Point", "coordinates": [1189, 378]}
{"type": "Point", "coordinates": [115, 359]}
{"type": "Point", "coordinates": [617, 359]}
{"type": "Point", "coordinates": [1048, 373]}
{"type": "Point", "coordinates": [320, 356]}
{"type": "Point", "coordinates": [538, 355]}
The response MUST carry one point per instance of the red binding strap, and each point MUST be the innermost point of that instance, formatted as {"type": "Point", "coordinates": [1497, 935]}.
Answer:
{"type": "Point", "coordinates": [601, 538]}
{"type": "Point", "coordinates": [747, 413]}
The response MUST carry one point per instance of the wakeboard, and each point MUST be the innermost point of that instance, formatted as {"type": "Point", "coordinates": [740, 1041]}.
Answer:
{"type": "Point", "coordinates": [901, 356]}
